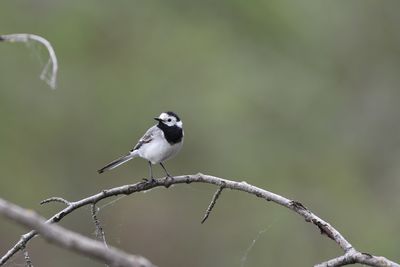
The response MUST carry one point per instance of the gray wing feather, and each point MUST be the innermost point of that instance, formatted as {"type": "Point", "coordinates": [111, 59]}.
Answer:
{"type": "Point", "coordinates": [146, 138]}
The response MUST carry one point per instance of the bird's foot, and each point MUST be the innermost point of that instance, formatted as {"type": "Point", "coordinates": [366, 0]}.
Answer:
{"type": "Point", "coordinates": [151, 180]}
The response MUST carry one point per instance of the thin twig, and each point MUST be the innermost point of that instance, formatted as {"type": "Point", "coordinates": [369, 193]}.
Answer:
{"type": "Point", "coordinates": [99, 230]}
{"type": "Point", "coordinates": [323, 226]}
{"type": "Point", "coordinates": [212, 203]}
{"type": "Point", "coordinates": [50, 77]}
{"type": "Point", "coordinates": [71, 240]}
{"type": "Point", "coordinates": [28, 262]}
{"type": "Point", "coordinates": [55, 199]}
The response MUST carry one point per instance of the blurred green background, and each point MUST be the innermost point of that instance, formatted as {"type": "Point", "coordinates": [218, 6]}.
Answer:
{"type": "Point", "coordinates": [298, 97]}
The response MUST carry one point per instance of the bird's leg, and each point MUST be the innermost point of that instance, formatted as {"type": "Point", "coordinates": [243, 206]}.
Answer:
{"type": "Point", "coordinates": [169, 179]}
{"type": "Point", "coordinates": [166, 172]}
{"type": "Point", "coordinates": [151, 174]}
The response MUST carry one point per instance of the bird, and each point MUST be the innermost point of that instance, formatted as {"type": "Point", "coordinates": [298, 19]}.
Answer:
{"type": "Point", "coordinates": [160, 143]}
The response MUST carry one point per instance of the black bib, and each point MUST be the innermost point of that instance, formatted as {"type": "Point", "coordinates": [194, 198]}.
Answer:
{"type": "Point", "coordinates": [173, 134]}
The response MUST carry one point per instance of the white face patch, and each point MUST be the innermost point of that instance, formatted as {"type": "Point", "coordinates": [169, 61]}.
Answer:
{"type": "Point", "coordinates": [170, 120]}
{"type": "Point", "coordinates": [163, 116]}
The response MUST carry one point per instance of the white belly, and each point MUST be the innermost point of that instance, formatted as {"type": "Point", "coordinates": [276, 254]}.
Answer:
{"type": "Point", "coordinates": [158, 151]}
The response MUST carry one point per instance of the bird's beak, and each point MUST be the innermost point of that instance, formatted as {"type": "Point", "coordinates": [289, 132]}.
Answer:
{"type": "Point", "coordinates": [157, 119]}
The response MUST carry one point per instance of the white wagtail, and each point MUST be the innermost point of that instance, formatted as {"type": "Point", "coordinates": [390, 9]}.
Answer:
{"type": "Point", "coordinates": [160, 143]}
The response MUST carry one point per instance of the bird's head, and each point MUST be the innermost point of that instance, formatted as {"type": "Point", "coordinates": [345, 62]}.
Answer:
{"type": "Point", "coordinates": [170, 119]}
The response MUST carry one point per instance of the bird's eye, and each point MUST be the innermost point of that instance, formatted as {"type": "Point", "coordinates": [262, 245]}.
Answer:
{"type": "Point", "coordinates": [169, 120]}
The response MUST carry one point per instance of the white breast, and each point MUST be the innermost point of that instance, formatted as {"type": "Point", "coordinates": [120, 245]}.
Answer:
{"type": "Point", "coordinates": [159, 150]}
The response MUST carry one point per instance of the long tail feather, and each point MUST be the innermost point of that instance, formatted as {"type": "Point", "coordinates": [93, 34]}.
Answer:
{"type": "Point", "coordinates": [114, 164]}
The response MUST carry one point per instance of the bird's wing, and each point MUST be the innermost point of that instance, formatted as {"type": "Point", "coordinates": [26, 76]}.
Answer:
{"type": "Point", "coordinates": [146, 138]}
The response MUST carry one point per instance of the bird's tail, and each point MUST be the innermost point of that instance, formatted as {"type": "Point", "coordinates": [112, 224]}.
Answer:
{"type": "Point", "coordinates": [114, 164]}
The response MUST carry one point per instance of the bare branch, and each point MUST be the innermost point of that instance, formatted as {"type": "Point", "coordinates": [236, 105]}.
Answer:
{"type": "Point", "coordinates": [295, 206]}
{"type": "Point", "coordinates": [50, 77]}
{"type": "Point", "coordinates": [212, 203]}
{"type": "Point", "coordinates": [353, 257]}
{"type": "Point", "coordinates": [71, 240]}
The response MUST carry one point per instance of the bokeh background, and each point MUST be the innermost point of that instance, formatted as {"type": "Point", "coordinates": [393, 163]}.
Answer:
{"type": "Point", "coordinates": [298, 97]}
